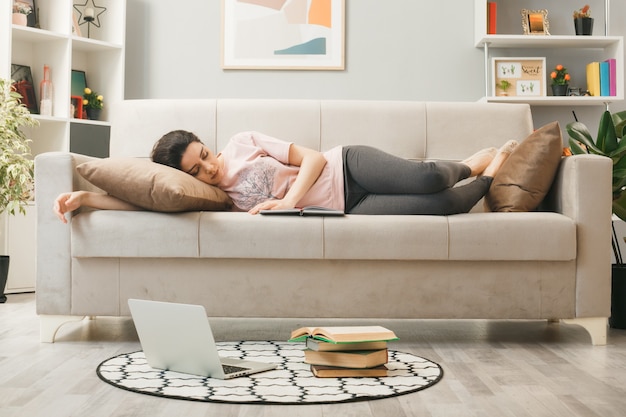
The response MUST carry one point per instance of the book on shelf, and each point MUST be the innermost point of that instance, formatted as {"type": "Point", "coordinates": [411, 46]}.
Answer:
{"type": "Point", "coordinates": [344, 334]}
{"type": "Point", "coordinates": [492, 7]}
{"type": "Point", "coordinates": [593, 78]}
{"type": "Point", "coordinates": [323, 371]}
{"type": "Point", "coordinates": [322, 346]}
{"type": "Point", "coordinates": [604, 79]}
{"type": "Point", "coordinates": [612, 76]}
{"type": "Point", "coordinates": [357, 359]}
{"type": "Point", "coordinates": [305, 211]}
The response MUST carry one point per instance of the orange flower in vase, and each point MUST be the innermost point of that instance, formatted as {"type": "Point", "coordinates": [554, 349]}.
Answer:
{"type": "Point", "coordinates": [560, 80]}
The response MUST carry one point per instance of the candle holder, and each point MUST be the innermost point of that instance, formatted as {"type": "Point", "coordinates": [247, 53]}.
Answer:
{"type": "Point", "coordinates": [89, 14]}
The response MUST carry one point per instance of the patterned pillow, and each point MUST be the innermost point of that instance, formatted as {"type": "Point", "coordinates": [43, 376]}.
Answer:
{"type": "Point", "coordinates": [527, 175]}
{"type": "Point", "coordinates": [153, 186]}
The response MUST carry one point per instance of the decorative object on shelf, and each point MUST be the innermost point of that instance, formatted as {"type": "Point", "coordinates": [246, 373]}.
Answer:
{"type": "Point", "coordinates": [89, 14]}
{"type": "Point", "coordinates": [76, 107]}
{"type": "Point", "coordinates": [535, 22]}
{"type": "Point", "coordinates": [16, 168]}
{"type": "Point", "coordinates": [24, 85]}
{"type": "Point", "coordinates": [21, 11]}
{"type": "Point", "coordinates": [45, 93]}
{"type": "Point", "coordinates": [504, 85]}
{"type": "Point", "coordinates": [583, 22]}
{"type": "Point", "coordinates": [560, 80]}
{"type": "Point", "coordinates": [610, 143]}
{"type": "Point", "coordinates": [92, 103]}
{"type": "Point", "coordinates": [525, 75]}
{"type": "Point", "coordinates": [252, 41]}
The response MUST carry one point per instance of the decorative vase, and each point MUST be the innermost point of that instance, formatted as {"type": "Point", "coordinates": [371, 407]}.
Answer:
{"type": "Point", "coordinates": [618, 297]}
{"type": "Point", "coordinates": [93, 114]}
{"type": "Point", "coordinates": [583, 25]}
{"type": "Point", "coordinates": [20, 19]}
{"type": "Point", "coordinates": [4, 275]}
{"type": "Point", "coordinates": [559, 89]}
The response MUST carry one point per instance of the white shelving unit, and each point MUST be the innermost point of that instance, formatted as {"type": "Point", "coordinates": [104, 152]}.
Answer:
{"type": "Point", "coordinates": [53, 43]}
{"type": "Point", "coordinates": [582, 49]}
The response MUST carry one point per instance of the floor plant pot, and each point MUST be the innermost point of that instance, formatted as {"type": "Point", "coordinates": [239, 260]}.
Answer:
{"type": "Point", "coordinates": [618, 297]}
{"type": "Point", "coordinates": [4, 274]}
{"type": "Point", "coordinates": [559, 90]}
{"type": "Point", "coordinates": [583, 25]}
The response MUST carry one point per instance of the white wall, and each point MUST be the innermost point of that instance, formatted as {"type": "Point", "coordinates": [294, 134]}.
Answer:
{"type": "Point", "coordinates": [395, 49]}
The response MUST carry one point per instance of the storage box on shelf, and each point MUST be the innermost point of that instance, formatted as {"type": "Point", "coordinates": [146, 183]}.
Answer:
{"type": "Point", "coordinates": [577, 50]}
{"type": "Point", "coordinates": [55, 44]}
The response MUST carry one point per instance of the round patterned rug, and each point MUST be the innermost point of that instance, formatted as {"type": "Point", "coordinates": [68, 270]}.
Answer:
{"type": "Point", "coordinates": [290, 383]}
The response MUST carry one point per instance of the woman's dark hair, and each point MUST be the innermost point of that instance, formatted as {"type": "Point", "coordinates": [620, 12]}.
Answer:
{"type": "Point", "coordinates": [170, 148]}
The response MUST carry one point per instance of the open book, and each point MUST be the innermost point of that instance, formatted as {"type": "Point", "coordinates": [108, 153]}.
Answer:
{"type": "Point", "coordinates": [306, 211]}
{"type": "Point", "coordinates": [345, 334]}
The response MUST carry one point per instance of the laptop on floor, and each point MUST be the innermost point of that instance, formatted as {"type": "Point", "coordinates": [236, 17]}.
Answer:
{"type": "Point", "coordinates": [178, 337]}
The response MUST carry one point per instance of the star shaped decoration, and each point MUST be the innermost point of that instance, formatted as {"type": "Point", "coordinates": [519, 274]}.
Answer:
{"type": "Point", "coordinates": [93, 20]}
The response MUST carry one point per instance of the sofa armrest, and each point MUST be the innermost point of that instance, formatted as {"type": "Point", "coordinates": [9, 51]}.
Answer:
{"type": "Point", "coordinates": [582, 191]}
{"type": "Point", "coordinates": [55, 173]}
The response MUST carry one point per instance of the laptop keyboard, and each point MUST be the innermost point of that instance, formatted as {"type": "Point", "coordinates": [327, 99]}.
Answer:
{"type": "Point", "coordinates": [230, 369]}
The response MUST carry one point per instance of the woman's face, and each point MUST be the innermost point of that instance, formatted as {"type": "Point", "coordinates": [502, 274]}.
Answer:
{"type": "Point", "coordinates": [200, 162]}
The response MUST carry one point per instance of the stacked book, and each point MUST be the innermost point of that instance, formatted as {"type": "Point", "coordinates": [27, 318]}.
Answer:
{"type": "Point", "coordinates": [349, 351]}
{"type": "Point", "coordinates": [601, 78]}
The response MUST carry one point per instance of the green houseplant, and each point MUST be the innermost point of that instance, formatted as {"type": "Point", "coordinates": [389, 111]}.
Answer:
{"type": "Point", "coordinates": [16, 168]}
{"type": "Point", "coordinates": [610, 142]}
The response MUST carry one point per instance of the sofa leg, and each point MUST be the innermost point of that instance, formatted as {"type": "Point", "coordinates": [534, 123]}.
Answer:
{"type": "Point", "coordinates": [49, 325]}
{"type": "Point", "coordinates": [595, 326]}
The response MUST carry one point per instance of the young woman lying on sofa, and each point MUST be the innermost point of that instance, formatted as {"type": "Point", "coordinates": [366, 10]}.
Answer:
{"type": "Point", "coordinates": [260, 172]}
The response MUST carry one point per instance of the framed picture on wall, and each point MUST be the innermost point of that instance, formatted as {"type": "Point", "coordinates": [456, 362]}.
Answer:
{"type": "Point", "coordinates": [519, 77]}
{"type": "Point", "coordinates": [24, 85]}
{"type": "Point", "coordinates": [281, 34]}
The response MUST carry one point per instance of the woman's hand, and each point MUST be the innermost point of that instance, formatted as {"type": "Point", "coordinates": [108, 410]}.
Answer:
{"type": "Point", "coordinates": [67, 202]}
{"type": "Point", "coordinates": [270, 205]}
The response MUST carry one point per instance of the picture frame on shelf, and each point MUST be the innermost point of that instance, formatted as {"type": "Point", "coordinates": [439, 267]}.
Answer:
{"type": "Point", "coordinates": [535, 22]}
{"type": "Point", "coordinates": [523, 76]}
{"type": "Point", "coordinates": [77, 107]}
{"type": "Point", "coordinates": [31, 18]}
{"type": "Point", "coordinates": [270, 35]}
{"type": "Point", "coordinates": [25, 86]}
{"type": "Point", "coordinates": [79, 83]}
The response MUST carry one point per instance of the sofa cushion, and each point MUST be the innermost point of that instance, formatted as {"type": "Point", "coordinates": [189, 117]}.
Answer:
{"type": "Point", "coordinates": [512, 237]}
{"type": "Point", "coordinates": [526, 176]}
{"type": "Point", "coordinates": [153, 186]}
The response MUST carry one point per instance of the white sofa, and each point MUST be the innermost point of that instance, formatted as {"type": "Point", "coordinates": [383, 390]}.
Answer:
{"type": "Point", "coordinates": [553, 264]}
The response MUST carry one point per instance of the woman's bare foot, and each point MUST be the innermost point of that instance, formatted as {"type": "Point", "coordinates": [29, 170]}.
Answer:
{"type": "Point", "coordinates": [503, 154]}
{"type": "Point", "coordinates": [480, 160]}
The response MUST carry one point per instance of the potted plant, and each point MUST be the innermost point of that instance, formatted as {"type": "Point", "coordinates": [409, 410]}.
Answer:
{"type": "Point", "coordinates": [504, 85]}
{"type": "Point", "coordinates": [560, 80]}
{"type": "Point", "coordinates": [583, 22]}
{"type": "Point", "coordinates": [610, 142]}
{"type": "Point", "coordinates": [20, 13]}
{"type": "Point", "coordinates": [16, 168]}
{"type": "Point", "coordinates": [93, 103]}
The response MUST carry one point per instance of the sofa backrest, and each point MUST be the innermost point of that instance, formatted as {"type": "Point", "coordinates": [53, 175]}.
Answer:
{"type": "Point", "coordinates": [411, 129]}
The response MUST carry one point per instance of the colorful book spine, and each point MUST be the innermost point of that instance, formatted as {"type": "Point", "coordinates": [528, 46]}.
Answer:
{"type": "Point", "coordinates": [593, 78]}
{"type": "Point", "coordinates": [604, 79]}
{"type": "Point", "coordinates": [491, 17]}
{"type": "Point", "coordinates": [612, 76]}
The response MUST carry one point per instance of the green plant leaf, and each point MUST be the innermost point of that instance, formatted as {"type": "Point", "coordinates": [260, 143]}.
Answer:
{"type": "Point", "coordinates": [579, 132]}
{"type": "Point", "coordinates": [606, 141]}
{"type": "Point", "coordinates": [576, 148]}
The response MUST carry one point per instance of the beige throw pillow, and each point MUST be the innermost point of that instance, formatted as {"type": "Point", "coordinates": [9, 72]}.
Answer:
{"type": "Point", "coordinates": [527, 175]}
{"type": "Point", "coordinates": [153, 186]}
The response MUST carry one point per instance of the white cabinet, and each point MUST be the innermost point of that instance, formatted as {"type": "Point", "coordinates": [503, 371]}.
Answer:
{"type": "Point", "coordinates": [570, 50]}
{"type": "Point", "coordinates": [53, 43]}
